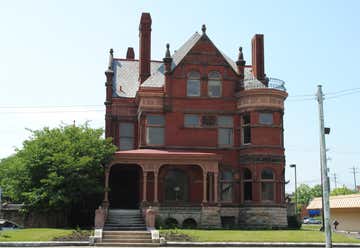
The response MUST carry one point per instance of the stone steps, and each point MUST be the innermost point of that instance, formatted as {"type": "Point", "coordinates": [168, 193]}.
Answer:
{"type": "Point", "coordinates": [127, 239]}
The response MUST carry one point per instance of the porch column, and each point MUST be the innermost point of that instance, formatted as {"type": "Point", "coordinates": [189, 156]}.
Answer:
{"type": "Point", "coordinates": [156, 186]}
{"type": "Point", "coordinates": [204, 186]}
{"type": "Point", "coordinates": [144, 185]}
{"type": "Point", "coordinates": [216, 187]}
{"type": "Point", "coordinates": [106, 188]}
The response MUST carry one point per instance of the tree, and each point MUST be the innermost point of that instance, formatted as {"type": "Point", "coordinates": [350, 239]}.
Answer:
{"type": "Point", "coordinates": [305, 193]}
{"type": "Point", "coordinates": [342, 191]}
{"type": "Point", "coordinates": [58, 169]}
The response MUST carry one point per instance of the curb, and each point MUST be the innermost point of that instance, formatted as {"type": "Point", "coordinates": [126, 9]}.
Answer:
{"type": "Point", "coordinates": [255, 244]}
{"type": "Point", "coordinates": [44, 243]}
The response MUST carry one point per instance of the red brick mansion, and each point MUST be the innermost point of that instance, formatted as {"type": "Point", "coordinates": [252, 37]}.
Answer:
{"type": "Point", "coordinates": [199, 136]}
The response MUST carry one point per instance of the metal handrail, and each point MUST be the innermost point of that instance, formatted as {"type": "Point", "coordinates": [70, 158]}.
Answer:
{"type": "Point", "coordinates": [272, 83]}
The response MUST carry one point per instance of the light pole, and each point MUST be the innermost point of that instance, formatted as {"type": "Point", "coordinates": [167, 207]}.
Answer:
{"type": "Point", "coordinates": [296, 198]}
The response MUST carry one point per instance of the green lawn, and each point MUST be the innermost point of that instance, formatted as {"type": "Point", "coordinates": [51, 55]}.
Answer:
{"type": "Point", "coordinates": [308, 233]}
{"type": "Point", "coordinates": [33, 234]}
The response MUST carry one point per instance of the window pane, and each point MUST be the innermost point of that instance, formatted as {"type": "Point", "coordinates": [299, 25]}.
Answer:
{"type": "Point", "coordinates": [267, 174]}
{"type": "Point", "coordinates": [266, 118]}
{"type": "Point", "coordinates": [226, 192]}
{"type": "Point", "coordinates": [191, 121]}
{"type": "Point", "coordinates": [225, 121]}
{"type": "Point", "coordinates": [267, 191]}
{"type": "Point", "coordinates": [193, 87]}
{"type": "Point", "coordinates": [225, 136]}
{"type": "Point", "coordinates": [246, 119]}
{"type": "Point", "coordinates": [247, 174]}
{"type": "Point", "coordinates": [126, 143]}
{"type": "Point", "coordinates": [248, 191]}
{"type": "Point", "coordinates": [176, 185]}
{"type": "Point", "coordinates": [155, 135]}
{"type": "Point", "coordinates": [126, 129]}
{"type": "Point", "coordinates": [246, 135]}
{"type": "Point", "coordinates": [194, 75]}
{"type": "Point", "coordinates": [208, 121]}
{"type": "Point", "coordinates": [214, 88]}
{"type": "Point", "coordinates": [214, 75]}
{"type": "Point", "coordinates": [155, 120]}
{"type": "Point", "coordinates": [226, 175]}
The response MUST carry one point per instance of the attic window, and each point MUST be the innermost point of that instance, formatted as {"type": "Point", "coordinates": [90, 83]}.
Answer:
{"type": "Point", "coordinates": [193, 84]}
{"type": "Point", "coordinates": [214, 84]}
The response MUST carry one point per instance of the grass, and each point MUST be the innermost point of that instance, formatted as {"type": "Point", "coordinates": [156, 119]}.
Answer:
{"type": "Point", "coordinates": [309, 233]}
{"type": "Point", "coordinates": [33, 234]}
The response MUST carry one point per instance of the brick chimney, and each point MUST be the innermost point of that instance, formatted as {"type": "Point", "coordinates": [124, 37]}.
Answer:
{"type": "Point", "coordinates": [130, 54]}
{"type": "Point", "coordinates": [257, 45]}
{"type": "Point", "coordinates": [144, 47]}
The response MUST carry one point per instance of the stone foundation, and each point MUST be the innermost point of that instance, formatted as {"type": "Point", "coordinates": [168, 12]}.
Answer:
{"type": "Point", "coordinates": [263, 217]}
{"type": "Point", "coordinates": [214, 217]}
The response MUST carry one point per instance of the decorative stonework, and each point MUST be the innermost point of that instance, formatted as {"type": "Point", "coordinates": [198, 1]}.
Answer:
{"type": "Point", "coordinates": [256, 158]}
{"type": "Point", "coordinates": [150, 101]}
{"type": "Point", "coordinates": [261, 98]}
{"type": "Point", "coordinates": [210, 218]}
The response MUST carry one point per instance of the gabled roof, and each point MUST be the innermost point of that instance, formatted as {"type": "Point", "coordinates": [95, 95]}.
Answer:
{"type": "Point", "coordinates": [126, 72]}
{"type": "Point", "coordinates": [339, 201]}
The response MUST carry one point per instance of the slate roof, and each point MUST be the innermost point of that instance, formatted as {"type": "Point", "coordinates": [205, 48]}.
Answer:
{"type": "Point", "coordinates": [339, 201]}
{"type": "Point", "coordinates": [126, 72]}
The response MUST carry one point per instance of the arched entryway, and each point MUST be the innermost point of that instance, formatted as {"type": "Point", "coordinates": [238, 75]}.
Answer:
{"type": "Point", "coordinates": [124, 184]}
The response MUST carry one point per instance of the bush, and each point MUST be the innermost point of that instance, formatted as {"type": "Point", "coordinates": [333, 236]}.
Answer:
{"type": "Point", "coordinates": [294, 222]}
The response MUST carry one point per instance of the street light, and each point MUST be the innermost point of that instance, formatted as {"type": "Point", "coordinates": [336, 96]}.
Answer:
{"type": "Point", "coordinates": [294, 166]}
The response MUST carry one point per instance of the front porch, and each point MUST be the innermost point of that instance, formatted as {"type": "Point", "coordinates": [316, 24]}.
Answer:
{"type": "Point", "coordinates": [163, 177]}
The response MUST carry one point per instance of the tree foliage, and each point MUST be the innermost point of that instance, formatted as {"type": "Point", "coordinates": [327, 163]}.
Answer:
{"type": "Point", "coordinates": [342, 191]}
{"type": "Point", "coordinates": [305, 193]}
{"type": "Point", "coordinates": [58, 169]}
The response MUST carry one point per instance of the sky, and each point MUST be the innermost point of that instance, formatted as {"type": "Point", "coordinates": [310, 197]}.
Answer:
{"type": "Point", "coordinates": [53, 55]}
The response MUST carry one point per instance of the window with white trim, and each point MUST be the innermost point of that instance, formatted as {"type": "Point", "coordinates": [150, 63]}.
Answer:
{"type": "Point", "coordinates": [155, 128]}
{"type": "Point", "coordinates": [191, 120]}
{"type": "Point", "coordinates": [267, 185]}
{"type": "Point", "coordinates": [214, 84]}
{"type": "Point", "coordinates": [266, 118]}
{"type": "Point", "coordinates": [126, 130]}
{"type": "Point", "coordinates": [246, 129]}
{"type": "Point", "coordinates": [193, 84]}
{"type": "Point", "coordinates": [226, 186]}
{"type": "Point", "coordinates": [225, 130]}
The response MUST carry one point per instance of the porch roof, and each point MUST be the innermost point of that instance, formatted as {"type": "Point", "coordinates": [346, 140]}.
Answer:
{"type": "Point", "coordinates": [167, 154]}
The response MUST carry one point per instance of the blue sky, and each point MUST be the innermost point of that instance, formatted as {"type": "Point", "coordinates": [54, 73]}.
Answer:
{"type": "Point", "coordinates": [54, 53]}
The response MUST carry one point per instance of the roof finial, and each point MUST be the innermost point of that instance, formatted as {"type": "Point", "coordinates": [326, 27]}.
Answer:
{"type": "Point", "coordinates": [167, 54]}
{"type": "Point", "coordinates": [111, 57]}
{"type": "Point", "coordinates": [241, 55]}
{"type": "Point", "coordinates": [203, 28]}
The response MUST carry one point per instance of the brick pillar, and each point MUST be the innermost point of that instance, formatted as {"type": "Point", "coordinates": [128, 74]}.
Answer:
{"type": "Point", "coordinates": [216, 186]}
{"type": "Point", "coordinates": [156, 186]}
{"type": "Point", "coordinates": [204, 186]}
{"type": "Point", "coordinates": [144, 185]}
{"type": "Point", "coordinates": [106, 187]}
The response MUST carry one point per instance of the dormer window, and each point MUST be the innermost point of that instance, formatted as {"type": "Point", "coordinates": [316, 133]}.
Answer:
{"type": "Point", "coordinates": [214, 84]}
{"type": "Point", "coordinates": [193, 84]}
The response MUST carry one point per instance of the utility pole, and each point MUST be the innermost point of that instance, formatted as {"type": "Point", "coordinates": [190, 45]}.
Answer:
{"type": "Point", "coordinates": [335, 180]}
{"type": "Point", "coordinates": [354, 172]}
{"type": "Point", "coordinates": [326, 205]}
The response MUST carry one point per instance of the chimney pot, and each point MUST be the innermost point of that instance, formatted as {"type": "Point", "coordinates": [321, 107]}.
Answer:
{"type": "Point", "coordinates": [130, 54]}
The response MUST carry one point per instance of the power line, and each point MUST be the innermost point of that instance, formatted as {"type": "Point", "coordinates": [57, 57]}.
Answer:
{"type": "Point", "coordinates": [354, 171]}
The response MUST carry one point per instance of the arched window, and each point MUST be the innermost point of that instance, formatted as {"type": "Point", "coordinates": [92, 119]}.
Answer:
{"type": "Point", "coordinates": [176, 185]}
{"type": "Point", "coordinates": [267, 185]}
{"type": "Point", "coordinates": [226, 186]}
{"type": "Point", "coordinates": [214, 84]}
{"type": "Point", "coordinates": [247, 181]}
{"type": "Point", "coordinates": [193, 84]}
